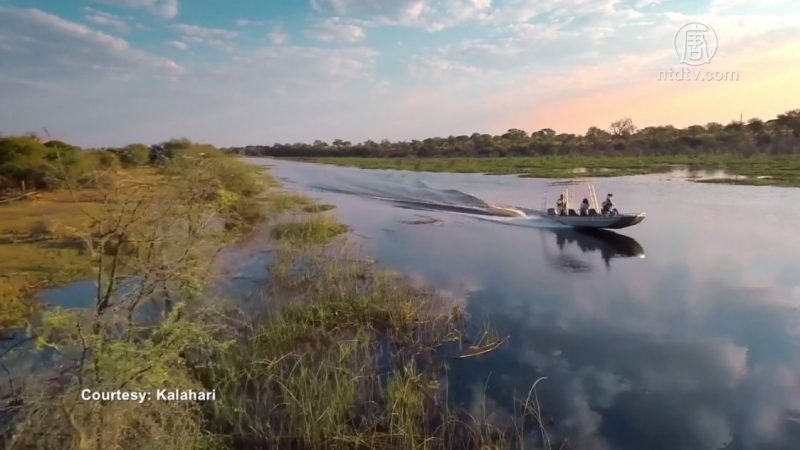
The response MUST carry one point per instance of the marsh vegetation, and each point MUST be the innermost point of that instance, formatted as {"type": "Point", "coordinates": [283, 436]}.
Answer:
{"type": "Point", "coordinates": [336, 352]}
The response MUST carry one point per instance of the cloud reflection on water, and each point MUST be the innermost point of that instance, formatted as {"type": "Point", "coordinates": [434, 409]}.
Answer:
{"type": "Point", "coordinates": [695, 347]}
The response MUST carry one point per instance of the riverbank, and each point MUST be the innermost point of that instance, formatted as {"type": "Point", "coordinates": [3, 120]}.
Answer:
{"type": "Point", "coordinates": [42, 242]}
{"type": "Point", "coordinates": [759, 170]}
{"type": "Point", "coordinates": [334, 352]}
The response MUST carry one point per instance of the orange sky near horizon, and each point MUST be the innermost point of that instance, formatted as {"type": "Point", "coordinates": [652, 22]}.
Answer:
{"type": "Point", "coordinates": [768, 85]}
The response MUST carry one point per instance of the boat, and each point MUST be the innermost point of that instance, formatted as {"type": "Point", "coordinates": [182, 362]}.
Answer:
{"type": "Point", "coordinates": [592, 219]}
{"type": "Point", "coordinates": [595, 221]}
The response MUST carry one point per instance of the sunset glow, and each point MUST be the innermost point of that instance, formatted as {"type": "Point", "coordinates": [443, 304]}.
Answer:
{"type": "Point", "coordinates": [108, 72]}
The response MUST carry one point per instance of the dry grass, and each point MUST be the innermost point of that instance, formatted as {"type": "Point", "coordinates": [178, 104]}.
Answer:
{"type": "Point", "coordinates": [42, 241]}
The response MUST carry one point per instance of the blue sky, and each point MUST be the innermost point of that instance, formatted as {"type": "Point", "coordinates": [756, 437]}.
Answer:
{"type": "Point", "coordinates": [235, 72]}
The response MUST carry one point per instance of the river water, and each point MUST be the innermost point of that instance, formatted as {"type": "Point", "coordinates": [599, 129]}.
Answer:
{"type": "Point", "coordinates": [680, 333]}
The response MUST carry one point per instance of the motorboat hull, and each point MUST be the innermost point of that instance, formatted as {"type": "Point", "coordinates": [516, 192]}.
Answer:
{"type": "Point", "coordinates": [598, 221]}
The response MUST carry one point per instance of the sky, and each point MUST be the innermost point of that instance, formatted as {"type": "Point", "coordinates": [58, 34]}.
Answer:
{"type": "Point", "coordinates": [241, 72]}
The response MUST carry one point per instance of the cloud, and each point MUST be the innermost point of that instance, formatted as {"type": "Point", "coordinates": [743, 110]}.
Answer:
{"type": "Point", "coordinates": [394, 10]}
{"type": "Point", "coordinates": [277, 36]}
{"type": "Point", "coordinates": [211, 37]}
{"type": "Point", "coordinates": [280, 64]}
{"type": "Point", "coordinates": [182, 46]}
{"type": "Point", "coordinates": [427, 14]}
{"type": "Point", "coordinates": [167, 9]}
{"type": "Point", "coordinates": [205, 33]}
{"type": "Point", "coordinates": [107, 20]}
{"type": "Point", "coordinates": [269, 93]}
{"type": "Point", "coordinates": [38, 45]}
{"type": "Point", "coordinates": [577, 34]}
{"type": "Point", "coordinates": [335, 30]}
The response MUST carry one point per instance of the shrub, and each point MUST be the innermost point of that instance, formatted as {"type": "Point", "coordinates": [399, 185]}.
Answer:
{"type": "Point", "coordinates": [102, 159]}
{"type": "Point", "coordinates": [25, 160]}
{"type": "Point", "coordinates": [134, 155]}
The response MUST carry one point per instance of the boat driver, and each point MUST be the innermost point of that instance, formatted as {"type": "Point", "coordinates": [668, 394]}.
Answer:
{"type": "Point", "coordinates": [561, 206]}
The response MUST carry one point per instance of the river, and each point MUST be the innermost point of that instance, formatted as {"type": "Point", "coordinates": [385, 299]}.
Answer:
{"type": "Point", "coordinates": [680, 333]}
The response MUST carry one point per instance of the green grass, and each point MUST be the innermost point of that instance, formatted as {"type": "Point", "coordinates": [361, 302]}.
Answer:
{"type": "Point", "coordinates": [317, 208]}
{"type": "Point", "coordinates": [13, 309]}
{"type": "Point", "coordinates": [318, 230]}
{"type": "Point", "coordinates": [279, 202]}
{"type": "Point", "coordinates": [309, 377]}
{"type": "Point", "coordinates": [783, 170]}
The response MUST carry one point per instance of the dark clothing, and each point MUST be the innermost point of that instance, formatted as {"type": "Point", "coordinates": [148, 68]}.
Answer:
{"type": "Point", "coordinates": [607, 205]}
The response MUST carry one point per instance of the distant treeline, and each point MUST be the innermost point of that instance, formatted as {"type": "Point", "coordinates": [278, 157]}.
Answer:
{"type": "Point", "coordinates": [777, 136]}
{"type": "Point", "coordinates": [28, 162]}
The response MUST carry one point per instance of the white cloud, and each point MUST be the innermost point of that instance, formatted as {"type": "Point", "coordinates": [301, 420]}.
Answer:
{"type": "Point", "coordinates": [432, 15]}
{"type": "Point", "coordinates": [277, 36]}
{"type": "Point", "coordinates": [393, 10]}
{"type": "Point", "coordinates": [182, 46]}
{"type": "Point", "coordinates": [107, 20]}
{"type": "Point", "coordinates": [162, 8]}
{"type": "Point", "coordinates": [40, 46]}
{"type": "Point", "coordinates": [269, 93]}
{"type": "Point", "coordinates": [210, 37]}
{"type": "Point", "coordinates": [441, 67]}
{"type": "Point", "coordinates": [205, 33]}
{"type": "Point", "coordinates": [279, 64]}
{"type": "Point", "coordinates": [335, 30]}
{"type": "Point", "coordinates": [241, 23]}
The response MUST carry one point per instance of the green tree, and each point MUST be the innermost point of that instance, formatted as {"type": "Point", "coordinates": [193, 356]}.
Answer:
{"type": "Point", "coordinates": [544, 133]}
{"type": "Point", "coordinates": [623, 127]}
{"type": "Point", "coordinates": [134, 155]}
{"type": "Point", "coordinates": [790, 120]}
{"type": "Point", "coordinates": [714, 128]}
{"type": "Point", "coordinates": [26, 161]}
{"type": "Point", "coordinates": [755, 125]}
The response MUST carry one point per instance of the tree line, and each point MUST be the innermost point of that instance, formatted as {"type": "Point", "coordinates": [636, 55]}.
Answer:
{"type": "Point", "coordinates": [755, 136]}
{"type": "Point", "coordinates": [29, 162]}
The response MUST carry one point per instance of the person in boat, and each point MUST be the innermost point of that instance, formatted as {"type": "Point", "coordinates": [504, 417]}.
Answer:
{"type": "Point", "coordinates": [608, 205]}
{"type": "Point", "coordinates": [585, 207]}
{"type": "Point", "coordinates": [561, 205]}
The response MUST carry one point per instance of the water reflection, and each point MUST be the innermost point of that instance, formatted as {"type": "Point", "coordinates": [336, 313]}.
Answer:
{"type": "Point", "coordinates": [608, 243]}
{"type": "Point", "coordinates": [690, 350]}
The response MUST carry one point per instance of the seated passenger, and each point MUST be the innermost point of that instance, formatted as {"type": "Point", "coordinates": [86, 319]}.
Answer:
{"type": "Point", "coordinates": [585, 207]}
{"type": "Point", "coordinates": [608, 205]}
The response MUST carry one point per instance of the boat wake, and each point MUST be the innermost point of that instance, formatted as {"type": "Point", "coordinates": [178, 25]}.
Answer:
{"type": "Point", "coordinates": [425, 198]}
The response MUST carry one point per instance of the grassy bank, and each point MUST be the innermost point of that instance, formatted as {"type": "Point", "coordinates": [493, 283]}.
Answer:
{"type": "Point", "coordinates": [42, 243]}
{"type": "Point", "coordinates": [759, 169]}
{"type": "Point", "coordinates": [336, 353]}
{"type": "Point", "coordinates": [57, 201]}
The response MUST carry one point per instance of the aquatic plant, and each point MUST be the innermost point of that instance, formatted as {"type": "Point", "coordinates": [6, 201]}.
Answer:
{"type": "Point", "coordinates": [309, 231]}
